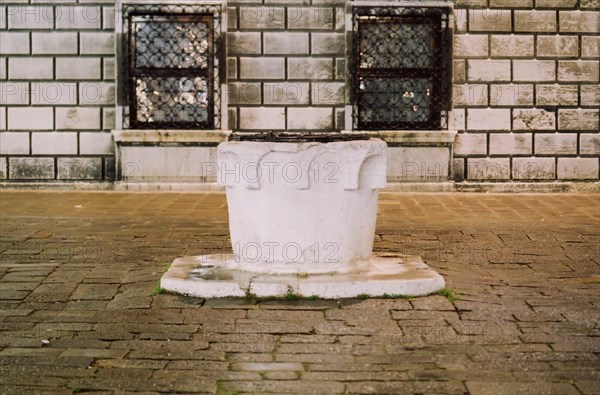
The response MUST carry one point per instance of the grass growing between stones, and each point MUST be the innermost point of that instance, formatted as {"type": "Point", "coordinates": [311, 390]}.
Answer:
{"type": "Point", "coordinates": [448, 294]}
{"type": "Point", "coordinates": [157, 290]}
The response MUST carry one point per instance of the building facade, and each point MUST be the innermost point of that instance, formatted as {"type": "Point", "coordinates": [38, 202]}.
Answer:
{"type": "Point", "coordinates": [143, 91]}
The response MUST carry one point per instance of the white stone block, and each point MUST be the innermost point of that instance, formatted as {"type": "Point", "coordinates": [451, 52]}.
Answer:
{"type": "Point", "coordinates": [30, 68]}
{"type": "Point", "coordinates": [510, 144]}
{"type": "Point", "coordinates": [77, 168]}
{"type": "Point", "coordinates": [589, 143]}
{"type": "Point", "coordinates": [54, 143]}
{"type": "Point", "coordinates": [418, 164]}
{"type": "Point", "coordinates": [262, 118]}
{"type": "Point", "coordinates": [262, 68]}
{"type": "Point", "coordinates": [470, 144]}
{"type": "Point", "coordinates": [14, 143]}
{"type": "Point", "coordinates": [534, 70]}
{"type": "Point", "coordinates": [97, 93]}
{"type": "Point", "coordinates": [14, 93]}
{"type": "Point", "coordinates": [328, 43]}
{"type": "Point", "coordinates": [30, 118]}
{"type": "Point", "coordinates": [511, 95]}
{"type": "Point", "coordinates": [54, 43]}
{"type": "Point", "coordinates": [533, 119]}
{"type": "Point", "coordinates": [77, 118]}
{"type": "Point", "coordinates": [310, 118]}
{"type": "Point", "coordinates": [95, 143]}
{"type": "Point", "coordinates": [3, 173]}
{"type": "Point", "coordinates": [79, 17]}
{"type": "Point", "coordinates": [534, 169]}
{"type": "Point", "coordinates": [555, 144]}
{"type": "Point", "coordinates": [328, 93]}
{"type": "Point", "coordinates": [102, 43]}
{"type": "Point", "coordinates": [53, 93]}
{"type": "Point", "coordinates": [488, 70]}
{"type": "Point", "coordinates": [286, 93]}
{"type": "Point", "coordinates": [2, 67]}
{"type": "Point", "coordinates": [2, 118]}
{"type": "Point", "coordinates": [577, 169]}
{"type": "Point", "coordinates": [578, 119]}
{"type": "Point", "coordinates": [488, 119]}
{"type": "Point", "coordinates": [77, 68]}
{"type": "Point", "coordinates": [172, 164]}
{"type": "Point", "coordinates": [310, 68]}
{"type": "Point", "coordinates": [30, 17]}
{"type": "Point", "coordinates": [488, 168]}
{"type": "Point", "coordinates": [31, 168]}
{"type": "Point", "coordinates": [466, 95]}
{"type": "Point", "coordinates": [287, 43]}
{"type": "Point", "coordinates": [471, 45]}
{"type": "Point", "coordinates": [12, 43]}
{"type": "Point", "coordinates": [108, 18]}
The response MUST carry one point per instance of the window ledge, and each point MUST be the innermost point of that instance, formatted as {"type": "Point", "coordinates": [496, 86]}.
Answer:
{"type": "Point", "coordinates": [170, 136]}
{"type": "Point", "coordinates": [411, 136]}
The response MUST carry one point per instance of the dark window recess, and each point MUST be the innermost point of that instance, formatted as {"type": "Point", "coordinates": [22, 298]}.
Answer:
{"type": "Point", "coordinates": [401, 59]}
{"type": "Point", "coordinates": [173, 79]}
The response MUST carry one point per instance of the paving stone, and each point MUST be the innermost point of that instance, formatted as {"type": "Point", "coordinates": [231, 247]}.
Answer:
{"type": "Point", "coordinates": [525, 314]}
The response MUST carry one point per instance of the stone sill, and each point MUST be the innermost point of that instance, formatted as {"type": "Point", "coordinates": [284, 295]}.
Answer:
{"type": "Point", "coordinates": [170, 136]}
{"type": "Point", "coordinates": [411, 136]}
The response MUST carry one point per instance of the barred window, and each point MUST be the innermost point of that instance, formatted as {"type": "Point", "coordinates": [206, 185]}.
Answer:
{"type": "Point", "coordinates": [402, 68]}
{"type": "Point", "coordinates": [173, 74]}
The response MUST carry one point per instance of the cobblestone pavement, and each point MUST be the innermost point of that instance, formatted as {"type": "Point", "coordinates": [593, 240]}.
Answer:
{"type": "Point", "coordinates": [80, 309]}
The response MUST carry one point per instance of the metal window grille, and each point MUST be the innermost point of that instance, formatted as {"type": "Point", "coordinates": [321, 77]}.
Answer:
{"type": "Point", "coordinates": [402, 73]}
{"type": "Point", "coordinates": [174, 59]}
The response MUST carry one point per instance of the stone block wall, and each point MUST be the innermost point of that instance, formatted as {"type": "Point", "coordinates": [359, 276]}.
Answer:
{"type": "Point", "coordinates": [286, 65]}
{"type": "Point", "coordinates": [57, 90]}
{"type": "Point", "coordinates": [526, 73]}
{"type": "Point", "coordinates": [527, 93]}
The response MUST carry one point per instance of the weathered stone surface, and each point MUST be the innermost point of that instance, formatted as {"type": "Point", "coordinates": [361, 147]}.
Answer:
{"type": "Point", "coordinates": [488, 70]}
{"type": "Point", "coordinates": [511, 46]}
{"type": "Point", "coordinates": [555, 143]}
{"type": "Point", "coordinates": [556, 95]}
{"type": "Point", "coordinates": [589, 144]}
{"type": "Point", "coordinates": [590, 46]}
{"type": "Point", "coordinates": [533, 169]}
{"type": "Point", "coordinates": [579, 21]}
{"type": "Point", "coordinates": [327, 43]}
{"type": "Point", "coordinates": [471, 45]}
{"type": "Point", "coordinates": [262, 118]}
{"type": "Point", "coordinates": [511, 94]}
{"type": "Point", "coordinates": [77, 168]}
{"type": "Point", "coordinates": [262, 68]}
{"type": "Point", "coordinates": [54, 43]}
{"type": "Point", "coordinates": [590, 95]}
{"type": "Point", "coordinates": [488, 119]}
{"type": "Point", "coordinates": [557, 46]}
{"type": "Point", "coordinates": [244, 43]}
{"type": "Point", "coordinates": [525, 119]}
{"type": "Point", "coordinates": [578, 119]}
{"type": "Point", "coordinates": [310, 68]}
{"type": "Point", "coordinates": [14, 143]}
{"type": "Point", "coordinates": [578, 70]}
{"type": "Point", "coordinates": [54, 143]}
{"type": "Point", "coordinates": [488, 168]}
{"type": "Point", "coordinates": [261, 17]}
{"type": "Point", "coordinates": [535, 21]}
{"type": "Point", "coordinates": [534, 70]}
{"type": "Point", "coordinates": [510, 144]}
{"type": "Point", "coordinates": [77, 118]}
{"type": "Point", "coordinates": [285, 43]}
{"type": "Point", "coordinates": [30, 118]}
{"type": "Point", "coordinates": [577, 168]}
{"type": "Point", "coordinates": [31, 168]}
{"type": "Point", "coordinates": [489, 20]}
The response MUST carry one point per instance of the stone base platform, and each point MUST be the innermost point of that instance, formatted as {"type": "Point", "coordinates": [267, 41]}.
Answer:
{"type": "Point", "coordinates": [216, 276]}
